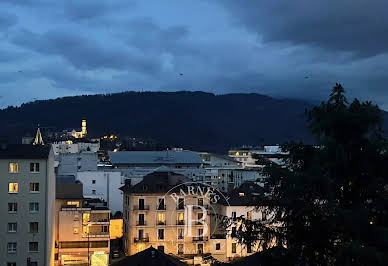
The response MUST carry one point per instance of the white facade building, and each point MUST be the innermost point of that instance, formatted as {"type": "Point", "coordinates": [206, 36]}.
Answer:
{"type": "Point", "coordinates": [103, 185]}
{"type": "Point", "coordinates": [70, 147]}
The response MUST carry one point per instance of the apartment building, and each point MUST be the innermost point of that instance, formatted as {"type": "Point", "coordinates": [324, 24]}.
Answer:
{"type": "Point", "coordinates": [82, 228]}
{"type": "Point", "coordinates": [163, 211]}
{"type": "Point", "coordinates": [27, 214]}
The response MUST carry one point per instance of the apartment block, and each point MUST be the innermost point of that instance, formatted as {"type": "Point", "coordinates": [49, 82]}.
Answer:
{"type": "Point", "coordinates": [27, 179]}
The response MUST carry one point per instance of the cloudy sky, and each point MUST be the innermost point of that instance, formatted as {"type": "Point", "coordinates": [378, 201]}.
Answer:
{"type": "Point", "coordinates": [296, 49]}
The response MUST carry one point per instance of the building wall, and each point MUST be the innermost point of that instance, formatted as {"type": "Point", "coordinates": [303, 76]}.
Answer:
{"type": "Point", "coordinates": [116, 228]}
{"type": "Point", "coordinates": [71, 163]}
{"type": "Point", "coordinates": [23, 217]}
{"type": "Point", "coordinates": [104, 185]}
{"type": "Point", "coordinates": [171, 241]}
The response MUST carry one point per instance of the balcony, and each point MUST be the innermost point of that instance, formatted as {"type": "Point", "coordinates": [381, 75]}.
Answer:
{"type": "Point", "coordinates": [141, 239]}
{"type": "Point", "coordinates": [161, 207]}
{"type": "Point", "coordinates": [141, 208]}
{"type": "Point", "coordinates": [180, 222]}
{"type": "Point", "coordinates": [200, 238]}
{"type": "Point", "coordinates": [99, 221]}
{"type": "Point", "coordinates": [141, 223]}
{"type": "Point", "coordinates": [96, 235]}
{"type": "Point", "coordinates": [160, 222]}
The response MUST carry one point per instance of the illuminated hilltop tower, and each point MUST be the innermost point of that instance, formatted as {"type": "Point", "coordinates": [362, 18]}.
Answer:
{"type": "Point", "coordinates": [83, 128]}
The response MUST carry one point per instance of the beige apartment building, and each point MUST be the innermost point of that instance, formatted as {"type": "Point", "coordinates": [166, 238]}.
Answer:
{"type": "Point", "coordinates": [165, 212]}
{"type": "Point", "coordinates": [82, 229]}
{"type": "Point", "coordinates": [27, 204]}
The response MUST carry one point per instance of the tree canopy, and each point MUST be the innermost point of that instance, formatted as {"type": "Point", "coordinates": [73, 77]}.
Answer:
{"type": "Point", "coordinates": [328, 203]}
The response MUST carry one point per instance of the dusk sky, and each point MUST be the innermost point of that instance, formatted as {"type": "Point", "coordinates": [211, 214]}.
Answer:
{"type": "Point", "coordinates": [295, 49]}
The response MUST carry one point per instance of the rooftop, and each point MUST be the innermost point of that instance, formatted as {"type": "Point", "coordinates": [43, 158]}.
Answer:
{"type": "Point", "coordinates": [155, 157]}
{"type": "Point", "coordinates": [69, 191]}
{"type": "Point", "coordinates": [248, 194]}
{"type": "Point", "coordinates": [24, 151]}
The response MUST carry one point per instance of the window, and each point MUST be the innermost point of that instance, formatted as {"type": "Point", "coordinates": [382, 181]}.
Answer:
{"type": "Point", "coordinates": [34, 187]}
{"type": "Point", "coordinates": [181, 249]}
{"type": "Point", "coordinates": [264, 216]}
{"type": "Point", "coordinates": [181, 203]}
{"type": "Point", "coordinates": [218, 246]}
{"type": "Point", "coordinates": [141, 204]}
{"type": "Point", "coordinates": [161, 205]}
{"type": "Point", "coordinates": [13, 187]}
{"type": "Point", "coordinates": [160, 234]}
{"type": "Point", "coordinates": [181, 218]}
{"type": "Point", "coordinates": [249, 248]}
{"type": "Point", "coordinates": [34, 227]}
{"type": "Point", "coordinates": [34, 207]}
{"type": "Point", "coordinates": [141, 234]}
{"type": "Point", "coordinates": [75, 230]}
{"type": "Point", "coordinates": [161, 218]}
{"type": "Point", "coordinates": [234, 247]}
{"type": "Point", "coordinates": [13, 168]}
{"type": "Point", "coordinates": [161, 248]}
{"type": "Point", "coordinates": [180, 233]}
{"type": "Point", "coordinates": [105, 229]}
{"type": "Point", "coordinates": [141, 219]}
{"type": "Point", "coordinates": [33, 247]}
{"type": "Point", "coordinates": [34, 167]}
{"type": "Point", "coordinates": [73, 203]}
{"type": "Point", "coordinates": [234, 215]}
{"type": "Point", "coordinates": [200, 248]}
{"type": "Point", "coordinates": [234, 231]}
{"type": "Point", "coordinates": [93, 192]}
{"type": "Point", "coordinates": [93, 181]}
{"type": "Point", "coordinates": [12, 207]}
{"type": "Point", "coordinates": [200, 201]}
{"type": "Point", "coordinates": [12, 227]}
{"type": "Point", "coordinates": [249, 215]}
{"type": "Point", "coordinates": [11, 247]}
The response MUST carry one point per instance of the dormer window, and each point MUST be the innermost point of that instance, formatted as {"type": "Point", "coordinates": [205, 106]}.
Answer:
{"type": "Point", "coordinates": [241, 194]}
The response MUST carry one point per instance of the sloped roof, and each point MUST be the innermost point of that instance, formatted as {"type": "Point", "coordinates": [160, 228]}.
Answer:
{"type": "Point", "coordinates": [155, 157]}
{"type": "Point", "coordinates": [150, 257]}
{"type": "Point", "coordinates": [248, 194]}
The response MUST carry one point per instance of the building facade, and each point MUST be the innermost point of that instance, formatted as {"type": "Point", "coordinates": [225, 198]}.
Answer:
{"type": "Point", "coordinates": [27, 212]}
{"type": "Point", "coordinates": [157, 214]}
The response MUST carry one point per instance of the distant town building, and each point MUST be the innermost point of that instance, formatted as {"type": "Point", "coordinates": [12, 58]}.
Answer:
{"type": "Point", "coordinates": [104, 185]}
{"type": "Point", "coordinates": [136, 164]}
{"type": "Point", "coordinates": [248, 157]}
{"type": "Point", "coordinates": [70, 146]}
{"type": "Point", "coordinates": [78, 134]}
{"type": "Point", "coordinates": [71, 163]}
{"type": "Point", "coordinates": [27, 212]}
{"type": "Point", "coordinates": [82, 234]}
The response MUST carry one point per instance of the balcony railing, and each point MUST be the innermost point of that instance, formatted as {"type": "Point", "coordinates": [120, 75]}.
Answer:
{"type": "Point", "coordinates": [141, 239]}
{"type": "Point", "coordinates": [140, 223]}
{"type": "Point", "coordinates": [200, 238]}
{"type": "Point", "coordinates": [198, 207]}
{"type": "Point", "coordinates": [160, 222]}
{"type": "Point", "coordinates": [161, 207]}
{"type": "Point", "coordinates": [141, 208]}
{"type": "Point", "coordinates": [180, 222]}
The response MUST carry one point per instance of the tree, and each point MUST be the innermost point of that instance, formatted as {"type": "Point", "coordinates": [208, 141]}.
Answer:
{"type": "Point", "coordinates": [329, 202]}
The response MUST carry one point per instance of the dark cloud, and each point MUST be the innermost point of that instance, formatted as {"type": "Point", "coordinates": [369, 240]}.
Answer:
{"type": "Point", "coordinates": [357, 26]}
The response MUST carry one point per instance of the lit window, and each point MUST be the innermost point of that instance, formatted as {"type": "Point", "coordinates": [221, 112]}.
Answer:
{"type": "Point", "coordinates": [34, 207]}
{"type": "Point", "coordinates": [34, 227]}
{"type": "Point", "coordinates": [33, 247]}
{"type": "Point", "coordinates": [13, 187]}
{"type": "Point", "coordinates": [249, 215]}
{"type": "Point", "coordinates": [241, 194]}
{"type": "Point", "coordinates": [73, 203]}
{"type": "Point", "coordinates": [12, 207]}
{"type": "Point", "coordinates": [181, 217]}
{"type": "Point", "coordinates": [11, 247]}
{"type": "Point", "coordinates": [34, 187]}
{"type": "Point", "coordinates": [34, 167]}
{"type": "Point", "coordinates": [12, 227]}
{"type": "Point", "coordinates": [237, 153]}
{"type": "Point", "coordinates": [161, 218]}
{"type": "Point", "coordinates": [85, 217]}
{"type": "Point", "coordinates": [13, 168]}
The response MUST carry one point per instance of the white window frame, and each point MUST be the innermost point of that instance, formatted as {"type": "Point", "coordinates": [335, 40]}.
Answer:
{"type": "Point", "coordinates": [33, 210]}
{"type": "Point", "coordinates": [13, 204]}
{"type": "Point", "coordinates": [14, 228]}
{"type": "Point", "coordinates": [9, 168]}
{"type": "Point", "coordinates": [34, 164]}
{"type": "Point", "coordinates": [13, 192]}
{"type": "Point", "coordinates": [34, 187]}
{"type": "Point", "coordinates": [11, 247]}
